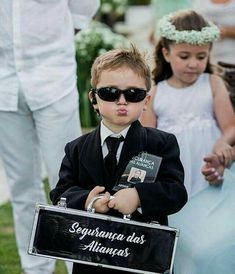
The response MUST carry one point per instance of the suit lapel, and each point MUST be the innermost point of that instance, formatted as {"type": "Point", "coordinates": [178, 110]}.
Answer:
{"type": "Point", "coordinates": [92, 158]}
{"type": "Point", "coordinates": [135, 142]}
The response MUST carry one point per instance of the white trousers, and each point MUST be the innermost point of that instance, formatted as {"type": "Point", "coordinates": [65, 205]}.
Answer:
{"type": "Point", "coordinates": [25, 137]}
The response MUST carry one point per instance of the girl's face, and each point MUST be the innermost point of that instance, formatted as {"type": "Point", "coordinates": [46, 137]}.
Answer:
{"type": "Point", "coordinates": [119, 114]}
{"type": "Point", "coordinates": [187, 62]}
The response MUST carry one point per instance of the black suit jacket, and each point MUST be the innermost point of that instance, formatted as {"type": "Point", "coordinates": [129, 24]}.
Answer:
{"type": "Point", "coordinates": [82, 169]}
{"type": "Point", "coordinates": [135, 180]}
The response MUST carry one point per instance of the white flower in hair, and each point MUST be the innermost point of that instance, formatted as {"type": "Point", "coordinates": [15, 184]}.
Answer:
{"type": "Point", "coordinates": [205, 36]}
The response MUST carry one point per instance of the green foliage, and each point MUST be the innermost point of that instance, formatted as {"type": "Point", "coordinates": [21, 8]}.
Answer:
{"type": "Point", "coordinates": [90, 43]}
{"type": "Point", "coordinates": [116, 8]}
{"type": "Point", "coordinates": [111, 11]}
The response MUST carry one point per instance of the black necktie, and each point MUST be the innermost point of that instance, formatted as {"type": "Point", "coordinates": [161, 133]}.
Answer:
{"type": "Point", "coordinates": [110, 160]}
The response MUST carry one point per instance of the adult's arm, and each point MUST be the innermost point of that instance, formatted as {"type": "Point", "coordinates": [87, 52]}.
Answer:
{"type": "Point", "coordinates": [82, 12]}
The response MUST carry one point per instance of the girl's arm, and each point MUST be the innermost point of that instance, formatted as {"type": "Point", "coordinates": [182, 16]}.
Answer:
{"type": "Point", "coordinates": [225, 116]}
{"type": "Point", "coordinates": [148, 117]}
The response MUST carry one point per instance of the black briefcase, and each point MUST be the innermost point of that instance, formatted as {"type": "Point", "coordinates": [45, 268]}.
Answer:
{"type": "Point", "coordinates": [102, 240]}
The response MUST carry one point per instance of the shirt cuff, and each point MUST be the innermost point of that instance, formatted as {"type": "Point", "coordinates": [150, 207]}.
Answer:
{"type": "Point", "coordinates": [80, 21]}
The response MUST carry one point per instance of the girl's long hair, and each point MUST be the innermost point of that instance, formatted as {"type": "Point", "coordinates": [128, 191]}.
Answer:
{"type": "Point", "coordinates": [183, 20]}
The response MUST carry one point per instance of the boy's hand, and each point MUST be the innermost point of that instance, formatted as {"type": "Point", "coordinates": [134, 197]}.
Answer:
{"type": "Point", "coordinates": [213, 170]}
{"type": "Point", "coordinates": [101, 205]}
{"type": "Point", "coordinates": [126, 201]}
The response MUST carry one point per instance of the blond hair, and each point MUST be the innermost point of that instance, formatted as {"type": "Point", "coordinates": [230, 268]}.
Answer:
{"type": "Point", "coordinates": [114, 59]}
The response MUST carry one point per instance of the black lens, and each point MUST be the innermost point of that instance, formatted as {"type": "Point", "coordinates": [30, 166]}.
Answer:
{"type": "Point", "coordinates": [134, 95]}
{"type": "Point", "coordinates": [111, 94]}
{"type": "Point", "coordinates": [108, 94]}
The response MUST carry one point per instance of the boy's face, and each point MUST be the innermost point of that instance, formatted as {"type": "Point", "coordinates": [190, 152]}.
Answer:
{"type": "Point", "coordinates": [119, 114]}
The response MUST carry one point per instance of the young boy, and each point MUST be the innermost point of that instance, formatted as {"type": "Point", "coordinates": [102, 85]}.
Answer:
{"type": "Point", "coordinates": [121, 80]}
{"type": "Point", "coordinates": [136, 177]}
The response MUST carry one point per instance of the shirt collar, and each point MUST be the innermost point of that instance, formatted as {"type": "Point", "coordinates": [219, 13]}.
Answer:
{"type": "Point", "coordinates": [106, 132]}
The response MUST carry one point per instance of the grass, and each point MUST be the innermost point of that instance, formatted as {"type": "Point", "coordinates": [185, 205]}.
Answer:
{"type": "Point", "coordinates": [9, 258]}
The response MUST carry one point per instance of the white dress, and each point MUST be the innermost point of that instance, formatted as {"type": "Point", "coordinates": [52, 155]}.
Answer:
{"type": "Point", "coordinates": [207, 223]}
{"type": "Point", "coordinates": [188, 113]}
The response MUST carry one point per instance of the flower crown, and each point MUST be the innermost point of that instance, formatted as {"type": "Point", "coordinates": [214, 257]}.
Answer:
{"type": "Point", "coordinates": [205, 36]}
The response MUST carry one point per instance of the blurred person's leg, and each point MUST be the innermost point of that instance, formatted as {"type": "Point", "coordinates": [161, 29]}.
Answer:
{"type": "Point", "coordinates": [57, 125]}
{"type": "Point", "coordinates": [21, 158]}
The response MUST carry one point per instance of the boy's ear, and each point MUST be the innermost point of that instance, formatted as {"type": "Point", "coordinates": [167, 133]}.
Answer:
{"type": "Point", "coordinates": [93, 101]}
{"type": "Point", "coordinates": [92, 97]}
{"type": "Point", "coordinates": [165, 54]}
{"type": "Point", "coordinates": [147, 101]}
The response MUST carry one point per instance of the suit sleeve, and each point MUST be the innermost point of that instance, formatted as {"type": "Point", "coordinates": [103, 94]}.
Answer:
{"type": "Point", "coordinates": [168, 194]}
{"type": "Point", "coordinates": [68, 185]}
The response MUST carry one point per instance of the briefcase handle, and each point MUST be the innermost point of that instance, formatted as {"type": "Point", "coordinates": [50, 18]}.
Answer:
{"type": "Point", "coordinates": [91, 209]}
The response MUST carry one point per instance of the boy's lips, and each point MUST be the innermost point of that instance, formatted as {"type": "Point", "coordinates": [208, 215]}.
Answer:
{"type": "Point", "coordinates": [122, 111]}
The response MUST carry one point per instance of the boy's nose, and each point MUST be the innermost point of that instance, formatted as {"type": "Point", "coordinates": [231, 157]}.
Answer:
{"type": "Point", "coordinates": [121, 99]}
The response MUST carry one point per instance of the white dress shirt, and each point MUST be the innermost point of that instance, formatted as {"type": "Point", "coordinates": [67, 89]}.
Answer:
{"type": "Point", "coordinates": [37, 52]}
{"type": "Point", "coordinates": [106, 132]}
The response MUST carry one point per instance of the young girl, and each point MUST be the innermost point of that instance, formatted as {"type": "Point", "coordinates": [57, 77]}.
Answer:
{"type": "Point", "coordinates": [194, 105]}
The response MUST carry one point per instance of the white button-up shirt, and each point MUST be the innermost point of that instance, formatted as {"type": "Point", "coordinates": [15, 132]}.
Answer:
{"type": "Point", "coordinates": [37, 50]}
{"type": "Point", "coordinates": [106, 132]}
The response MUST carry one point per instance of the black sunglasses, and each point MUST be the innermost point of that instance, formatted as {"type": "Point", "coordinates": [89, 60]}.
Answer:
{"type": "Point", "coordinates": [111, 94]}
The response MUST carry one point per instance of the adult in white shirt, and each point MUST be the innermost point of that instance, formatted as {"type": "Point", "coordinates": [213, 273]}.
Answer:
{"type": "Point", "coordinates": [221, 12]}
{"type": "Point", "coordinates": [38, 102]}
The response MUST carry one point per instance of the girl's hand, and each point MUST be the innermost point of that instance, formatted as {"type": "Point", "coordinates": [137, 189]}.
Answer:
{"type": "Point", "coordinates": [213, 170]}
{"type": "Point", "coordinates": [101, 205]}
{"type": "Point", "coordinates": [225, 152]}
{"type": "Point", "coordinates": [126, 201]}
